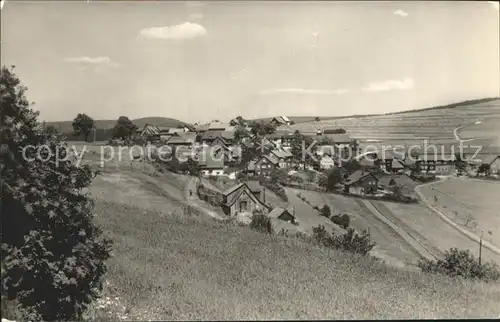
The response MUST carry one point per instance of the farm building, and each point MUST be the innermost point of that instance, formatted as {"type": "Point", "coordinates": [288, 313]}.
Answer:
{"type": "Point", "coordinates": [281, 214]}
{"type": "Point", "coordinates": [440, 164]}
{"type": "Point", "coordinates": [492, 163]}
{"type": "Point", "coordinates": [182, 139]}
{"type": "Point", "coordinates": [257, 189]}
{"type": "Point", "coordinates": [210, 165]}
{"type": "Point", "coordinates": [263, 165]}
{"type": "Point", "coordinates": [282, 137]}
{"type": "Point", "coordinates": [280, 120]}
{"type": "Point", "coordinates": [361, 183]}
{"type": "Point", "coordinates": [240, 198]}
{"type": "Point", "coordinates": [284, 158]}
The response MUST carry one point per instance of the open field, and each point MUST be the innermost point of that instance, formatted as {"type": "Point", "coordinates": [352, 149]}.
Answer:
{"type": "Point", "coordinates": [473, 204]}
{"type": "Point", "coordinates": [436, 125]}
{"type": "Point", "coordinates": [430, 228]}
{"type": "Point", "coordinates": [390, 246]}
{"type": "Point", "coordinates": [168, 266]}
{"type": "Point", "coordinates": [306, 215]}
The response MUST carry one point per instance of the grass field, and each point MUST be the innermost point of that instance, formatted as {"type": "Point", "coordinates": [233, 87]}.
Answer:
{"type": "Point", "coordinates": [435, 125]}
{"type": "Point", "coordinates": [431, 228]}
{"type": "Point", "coordinates": [390, 246]}
{"type": "Point", "coordinates": [465, 200]}
{"type": "Point", "coordinates": [172, 266]}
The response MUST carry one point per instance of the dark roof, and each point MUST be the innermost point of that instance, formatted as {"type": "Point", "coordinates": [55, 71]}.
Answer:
{"type": "Point", "coordinates": [272, 158]}
{"type": "Point", "coordinates": [367, 162]}
{"type": "Point", "coordinates": [254, 185]}
{"type": "Point", "coordinates": [232, 189]}
{"type": "Point", "coordinates": [489, 159]}
{"type": "Point", "coordinates": [209, 161]}
{"type": "Point", "coordinates": [359, 175]}
{"type": "Point", "coordinates": [182, 138]}
{"type": "Point", "coordinates": [211, 135]}
{"type": "Point", "coordinates": [228, 192]}
{"type": "Point", "coordinates": [278, 212]}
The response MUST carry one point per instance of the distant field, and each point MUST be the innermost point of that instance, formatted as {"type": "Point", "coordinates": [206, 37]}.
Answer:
{"type": "Point", "coordinates": [436, 124]}
{"type": "Point", "coordinates": [462, 199]}
{"type": "Point", "coordinates": [175, 267]}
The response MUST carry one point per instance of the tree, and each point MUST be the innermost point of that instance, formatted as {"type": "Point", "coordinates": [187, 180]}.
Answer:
{"type": "Point", "coordinates": [352, 166]}
{"type": "Point", "coordinates": [333, 176]}
{"type": "Point", "coordinates": [50, 130]}
{"type": "Point", "coordinates": [240, 133]}
{"type": "Point", "coordinates": [124, 128]}
{"type": "Point", "coordinates": [262, 128]}
{"type": "Point", "coordinates": [325, 211]}
{"type": "Point", "coordinates": [299, 145]}
{"type": "Point", "coordinates": [317, 119]}
{"type": "Point", "coordinates": [82, 125]}
{"type": "Point", "coordinates": [460, 164]}
{"type": "Point", "coordinates": [53, 256]}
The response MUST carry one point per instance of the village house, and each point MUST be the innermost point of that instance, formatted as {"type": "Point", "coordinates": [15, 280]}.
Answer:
{"type": "Point", "coordinates": [280, 120]}
{"type": "Point", "coordinates": [361, 183]}
{"type": "Point", "coordinates": [210, 164]}
{"type": "Point", "coordinates": [240, 198]}
{"type": "Point", "coordinates": [436, 164]}
{"type": "Point", "coordinates": [281, 214]}
{"type": "Point", "coordinates": [186, 139]}
{"type": "Point", "coordinates": [285, 158]}
{"type": "Point", "coordinates": [282, 138]}
{"type": "Point", "coordinates": [263, 165]}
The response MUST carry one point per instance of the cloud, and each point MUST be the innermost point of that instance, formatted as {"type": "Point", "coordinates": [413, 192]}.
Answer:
{"type": "Point", "coordinates": [194, 4]}
{"type": "Point", "coordinates": [186, 30]}
{"type": "Point", "coordinates": [388, 85]}
{"type": "Point", "coordinates": [494, 4]}
{"type": "Point", "coordinates": [307, 91]}
{"type": "Point", "coordinates": [400, 13]}
{"type": "Point", "coordinates": [196, 16]}
{"type": "Point", "coordinates": [89, 61]}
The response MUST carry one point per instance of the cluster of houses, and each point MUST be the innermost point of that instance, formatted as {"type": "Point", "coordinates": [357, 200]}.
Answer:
{"type": "Point", "coordinates": [217, 151]}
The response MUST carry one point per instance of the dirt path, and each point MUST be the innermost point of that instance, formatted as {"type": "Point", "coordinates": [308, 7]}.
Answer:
{"type": "Point", "coordinates": [193, 200]}
{"type": "Point", "coordinates": [409, 238]}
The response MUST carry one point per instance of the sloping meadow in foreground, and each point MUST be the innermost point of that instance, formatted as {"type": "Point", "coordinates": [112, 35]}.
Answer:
{"type": "Point", "coordinates": [179, 266]}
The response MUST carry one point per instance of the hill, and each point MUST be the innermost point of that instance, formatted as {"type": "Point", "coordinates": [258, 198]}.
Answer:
{"type": "Point", "coordinates": [66, 126]}
{"type": "Point", "coordinates": [182, 266]}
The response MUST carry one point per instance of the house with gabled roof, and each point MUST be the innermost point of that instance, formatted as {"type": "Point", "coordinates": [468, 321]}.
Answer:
{"type": "Point", "coordinates": [280, 120]}
{"type": "Point", "coordinates": [361, 182]}
{"type": "Point", "coordinates": [182, 139]}
{"type": "Point", "coordinates": [285, 158]}
{"type": "Point", "coordinates": [210, 163]}
{"type": "Point", "coordinates": [281, 214]}
{"type": "Point", "coordinates": [263, 165]}
{"type": "Point", "coordinates": [240, 199]}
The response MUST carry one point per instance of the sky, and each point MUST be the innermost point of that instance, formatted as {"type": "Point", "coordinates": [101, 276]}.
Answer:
{"type": "Point", "coordinates": [200, 61]}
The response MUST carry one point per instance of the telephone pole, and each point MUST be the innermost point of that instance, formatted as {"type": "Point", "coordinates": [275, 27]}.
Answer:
{"type": "Point", "coordinates": [480, 247]}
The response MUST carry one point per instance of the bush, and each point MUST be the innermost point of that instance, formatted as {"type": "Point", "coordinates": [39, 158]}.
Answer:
{"type": "Point", "coordinates": [341, 220]}
{"type": "Point", "coordinates": [276, 188]}
{"type": "Point", "coordinates": [261, 223]}
{"type": "Point", "coordinates": [53, 256]}
{"type": "Point", "coordinates": [348, 242]}
{"type": "Point", "coordinates": [461, 263]}
{"type": "Point", "coordinates": [325, 211]}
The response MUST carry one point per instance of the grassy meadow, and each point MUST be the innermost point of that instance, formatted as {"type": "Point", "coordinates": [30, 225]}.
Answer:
{"type": "Point", "coordinates": [169, 264]}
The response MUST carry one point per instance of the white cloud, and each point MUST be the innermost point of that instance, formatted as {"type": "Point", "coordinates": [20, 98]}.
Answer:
{"type": "Point", "coordinates": [307, 91]}
{"type": "Point", "coordinates": [388, 85]}
{"type": "Point", "coordinates": [196, 16]}
{"type": "Point", "coordinates": [89, 61]}
{"type": "Point", "coordinates": [401, 13]}
{"type": "Point", "coordinates": [185, 30]}
{"type": "Point", "coordinates": [495, 4]}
